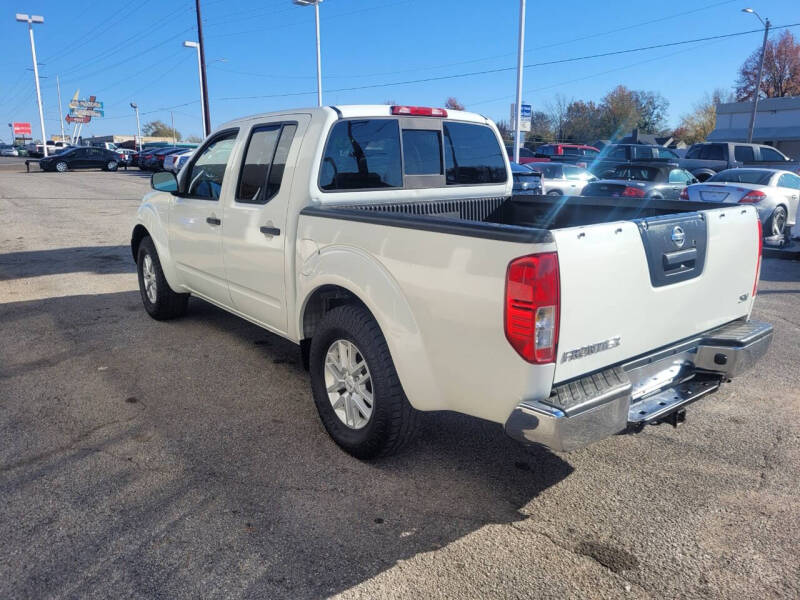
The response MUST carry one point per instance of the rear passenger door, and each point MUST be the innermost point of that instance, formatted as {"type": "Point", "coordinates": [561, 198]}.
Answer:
{"type": "Point", "coordinates": [254, 230]}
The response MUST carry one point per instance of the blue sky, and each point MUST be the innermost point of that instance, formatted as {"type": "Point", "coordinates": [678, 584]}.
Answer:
{"type": "Point", "coordinates": [261, 54]}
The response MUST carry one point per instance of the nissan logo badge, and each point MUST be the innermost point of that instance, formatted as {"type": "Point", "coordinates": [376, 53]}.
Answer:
{"type": "Point", "coordinates": [678, 236]}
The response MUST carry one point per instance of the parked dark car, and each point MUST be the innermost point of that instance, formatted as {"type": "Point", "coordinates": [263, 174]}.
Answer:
{"type": "Point", "coordinates": [614, 155]}
{"type": "Point", "coordinates": [81, 157]}
{"type": "Point", "coordinates": [526, 180]}
{"type": "Point", "coordinates": [706, 159]}
{"type": "Point", "coordinates": [154, 161]}
{"type": "Point", "coordinates": [657, 182]}
{"type": "Point", "coordinates": [576, 154]}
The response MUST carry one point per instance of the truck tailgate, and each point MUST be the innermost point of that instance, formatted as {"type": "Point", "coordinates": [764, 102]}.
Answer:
{"type": "Point", "coordinates": [633, 286]}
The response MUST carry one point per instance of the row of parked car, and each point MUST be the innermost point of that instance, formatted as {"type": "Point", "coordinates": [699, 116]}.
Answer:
{"type": "Point", "coordinates": [774, 192]}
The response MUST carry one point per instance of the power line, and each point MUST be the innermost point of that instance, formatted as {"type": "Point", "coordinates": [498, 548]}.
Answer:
{"type": "Point", "coordinates": [527, 66]}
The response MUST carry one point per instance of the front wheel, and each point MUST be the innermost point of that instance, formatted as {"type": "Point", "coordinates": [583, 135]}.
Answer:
{"type": "Point", "coordinates": [112, 165]}
{"type": "Point", "coordinates": [355, 385]}
{"type": "Point", "coordinates": [61, 166]}
{"type": "Point", "coordinates": [160, 301]}
{"type": "Point", "coordinates": [553, 193]}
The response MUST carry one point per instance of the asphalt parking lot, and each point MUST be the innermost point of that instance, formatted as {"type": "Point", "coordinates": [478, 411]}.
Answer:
{"type": "Point", "coordinates": [145, 459]}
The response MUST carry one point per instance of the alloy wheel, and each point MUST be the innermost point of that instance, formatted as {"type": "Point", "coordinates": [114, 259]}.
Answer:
{"type": "Point", "coordinates": [349, 384]}
{"type": "Point", "coordinates": [149, 278]}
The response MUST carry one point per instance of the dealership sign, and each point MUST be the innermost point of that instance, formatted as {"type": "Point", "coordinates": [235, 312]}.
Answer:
{"type": "Point", "coordinates": [22, 128]}
{"type": "Point", "coordinates": [82, 111]}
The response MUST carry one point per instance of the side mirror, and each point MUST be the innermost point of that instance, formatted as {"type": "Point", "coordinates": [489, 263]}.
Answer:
{"type": "Point", "coordinates": [164, 181]}
{"type": "Point", "coordinates": [694, 180]}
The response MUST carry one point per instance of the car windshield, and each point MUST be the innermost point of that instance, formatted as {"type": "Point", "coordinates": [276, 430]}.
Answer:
{"type": "Point", "coordinates": [635, 172]}
{"type": "Point", "coordinates": [742, 176]}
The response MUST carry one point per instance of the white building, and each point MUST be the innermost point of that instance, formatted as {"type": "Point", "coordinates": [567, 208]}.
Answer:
{"type": "Point", "coordinates": [777, 124]}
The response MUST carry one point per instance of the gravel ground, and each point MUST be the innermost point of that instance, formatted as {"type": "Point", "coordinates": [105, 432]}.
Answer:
{"type": "Point", "coordinates": [185, 459]}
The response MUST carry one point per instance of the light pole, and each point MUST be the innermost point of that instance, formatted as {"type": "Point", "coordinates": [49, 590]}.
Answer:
{"type": "Point", "coordinates": [203, 80]}
{"type": "Point", "coordinates": [135, 107]}
{"type": "Point", "coordinates": [520, 57]}
{"type": "Point", "coordinates": [30, 20]}
{"type": "Point", "coordinates": [315, 4]}
{"type": "Point", "coordinates": [766, 25]}
{"type": "Point", "coordinates": [196, 46]}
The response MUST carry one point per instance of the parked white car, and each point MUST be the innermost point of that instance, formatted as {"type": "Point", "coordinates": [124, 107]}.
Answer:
{"type": "Point", "coordinates": [385, 242]}
{"type": "Point", "coordinates": [774, 192]}
{"type": "Point", "coordinates": [560, 179]}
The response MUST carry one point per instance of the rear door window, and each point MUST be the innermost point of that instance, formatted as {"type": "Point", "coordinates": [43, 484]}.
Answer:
{"type": "Point", "coordinates": [422, 152]}
{"type": "Point", "coordinates": [362, 154]}
{"type": "Point", "coordinates": [666, 153]}
{"type": "Point", "coordinates": [574, 173]}
{"type": "Point", "coordinates": [618, 152]}
{"type": "Point", "coordinates": [265, 159]}
{"type": "Point", "coordinates": [744, 154]}
{"type": "Point", "coordinates": [641, 152]}
{"type": "Point", "coordinates": [712, 152]}
{"type": "Point", "coordinates": [472, 155]}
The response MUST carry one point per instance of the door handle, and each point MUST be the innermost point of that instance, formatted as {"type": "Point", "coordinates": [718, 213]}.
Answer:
{"type": "Point", "coordinates": [270, 230]}
{"type": "Point", "coordinates": [213, 221]}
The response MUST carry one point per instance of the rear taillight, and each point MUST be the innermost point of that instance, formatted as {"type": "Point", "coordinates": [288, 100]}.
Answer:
{"type": "Point", "coordinates": [684, 194]}
{"type": "Point", "coordinates": [419, 111]}
{"type": "Point", "coordinates": [754, 196]}
{"type": "Point", "coordinates": [633, 192]}
{"type": "Point", "coordinates": [532, 306]}
{"type": "Point", "coordinates": [760, 250]}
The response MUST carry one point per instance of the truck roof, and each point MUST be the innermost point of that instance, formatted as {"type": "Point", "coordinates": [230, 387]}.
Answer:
{"type": "Point", "coordinates": [349, 111]}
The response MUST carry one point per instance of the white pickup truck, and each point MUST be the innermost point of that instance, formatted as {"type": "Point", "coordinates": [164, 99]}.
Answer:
{"type": "Point", "coordinates": [386, 242]}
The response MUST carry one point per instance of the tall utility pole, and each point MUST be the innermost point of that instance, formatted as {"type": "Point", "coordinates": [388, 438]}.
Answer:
{"type": "Point", "coordinates": [30, 20]}
{"type": "Point", "coordinates": [766, 25]}
{"type": "Point", "coordinates": [520, 58]}
{"type": "Point", "coordinates": [203, 79]}
{"type": "Point", "coordinates": [172, 123]}
{"type": "Point", "coordinates": [60, 112]}
{"type": "Point", "coordinates": [315, 4]}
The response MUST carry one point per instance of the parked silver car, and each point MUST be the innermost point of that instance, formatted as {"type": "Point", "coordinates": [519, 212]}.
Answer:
{"type": "Point", "coordinates": [774, 193]}
{"type": "Point", "coordinates": [563, 180]}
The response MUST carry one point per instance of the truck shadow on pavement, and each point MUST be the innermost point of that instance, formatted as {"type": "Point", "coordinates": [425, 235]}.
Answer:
{"type": "Point", "coordinates": [186, 458]}
{"type": "Point", "coordinates": [92, 259]}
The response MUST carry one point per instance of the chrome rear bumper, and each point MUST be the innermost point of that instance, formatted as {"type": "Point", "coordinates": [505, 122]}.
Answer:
{"type": "Point", "coordinates": [644, 390]}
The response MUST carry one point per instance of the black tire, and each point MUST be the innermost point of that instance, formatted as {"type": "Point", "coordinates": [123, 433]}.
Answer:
{"type": "Point", "coordinates": [393, 420]}
{"type": "Point", "coordinates": [554, 193]}
{"type": "Point", "coordinates": [112, 165]}
{"type": "Point", "coordinates": [776, 225]}
{"type": "Point", "coordinates": [168, 303]}
{"type": "Point", "coordinates": [61, 167]}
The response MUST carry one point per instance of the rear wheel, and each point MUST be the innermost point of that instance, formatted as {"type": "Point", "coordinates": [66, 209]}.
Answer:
{"type": "Point", "coordinates": [355, 385]}
{"type": "Point", "coordinates": [777, 223]}
{"type": "Point", "coordinates": [554, 193]}
{"type": "Point", "coordinates": [112, 165]}
{"type": "Point", "coordinates": [160, 301]}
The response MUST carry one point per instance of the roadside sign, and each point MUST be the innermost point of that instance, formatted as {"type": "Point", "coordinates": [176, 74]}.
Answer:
{"type": "Point", "coordinates": [22, 128]}
{"type": "Point", "coordinates": [525, 117]}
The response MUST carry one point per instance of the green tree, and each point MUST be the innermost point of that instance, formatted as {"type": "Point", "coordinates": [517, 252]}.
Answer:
{"type": "Point", "coordinates": [541, 128]}
{"type": "Point", "coordinates": [652, 108]}
{"type": "Point", "coordinates": [696, 125]}
{"type": "Point", "coordinates": [160, 129]}
{"type": "Point", "coordinates": [194, 139]}
{"type": "Point", "coordinates": [583, 122]}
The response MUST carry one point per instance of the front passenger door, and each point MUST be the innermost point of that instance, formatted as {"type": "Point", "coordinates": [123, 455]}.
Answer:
{"type": "Point", "coordinates": [195, 223]}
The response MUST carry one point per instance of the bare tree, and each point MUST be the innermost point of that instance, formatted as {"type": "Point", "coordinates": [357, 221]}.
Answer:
{"type": "Point", "coordinates": [557, 111]}
{"type": "Point", "coordinates": [781, 70]}
{"type": "Point", "coordinates": [696, 125]}
{"type": "Point", "coordinates": [452, 103]}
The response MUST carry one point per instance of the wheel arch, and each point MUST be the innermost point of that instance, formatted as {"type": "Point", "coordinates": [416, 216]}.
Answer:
{"type": "Point", "coordinates": [346, 275]}
{"type": "Point", "coordinates": [703, 174]}
{"type": "Point", "coordinates": [151, 220]}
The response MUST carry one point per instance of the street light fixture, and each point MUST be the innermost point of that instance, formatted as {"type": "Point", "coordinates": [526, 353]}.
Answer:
{"type": "Point", "coordinates": [757, 91]}
{"type": "Point", "coordinates": [196, 46]}
{"type": "Point", "coordinates": [30, 20]}
{"type": "Point", "coordinates": [315, 4]}
{"type": "Point", "coordinates": [135, 107]}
